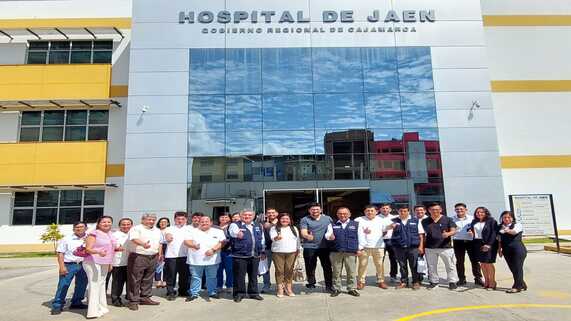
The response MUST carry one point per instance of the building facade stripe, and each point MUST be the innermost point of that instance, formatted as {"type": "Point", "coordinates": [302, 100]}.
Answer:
{"type": "Point", "coordinates": [531, 85]}
{"type": "Point", "coordinates": [526, 20]}
{"type": "Point", "coordinates": [544, 161]}
{"type": "Point", "coordinates": [120, 23]}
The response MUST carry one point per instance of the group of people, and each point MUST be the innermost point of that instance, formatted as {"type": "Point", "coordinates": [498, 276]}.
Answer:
{"type": "Point", "coordinates": [201, 255]}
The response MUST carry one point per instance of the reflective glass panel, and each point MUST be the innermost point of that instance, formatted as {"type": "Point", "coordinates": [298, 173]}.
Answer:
{"type": "Point", "coordinates": [287, 70]}
{"type": "Point", "coordinates": [206, 112]}
{"type": "Point", "coordinates": [337, 70]}
{"type": "Point", "coordinates": [380, 69]}
{"type": "Point", "coordinates": [103, 44]}
{"type": "Point", "coordinates": [23, 199]}
{"type": "Point", "coordinates": [30, 134]}
{"type": "Point", "coordinates": [71, 198]}
{"type": "Point", "coordinates": [75, 133]}
{"type": "Point", "coordinates": [31, 117]}
{"type": "Point", "coordinates": [97, 133]}
{"type": "Point", "coordinates": [415, 69]}
{"type": "Point", "coordinates": [52, 134]}
{"type": "Point", "coordinates": [59, 57]}
{"type": "Point", "coordinates": [383, 111]}
{"type": "Point", "coordinates": [48, 198]}
{"type": "Point", "coordinates": [289, 143]}
{"type": "Point", "coordinates": [94, 197]}
{"type": "Point", "coordinates": [37, 57]}
{"type": "Point", "coordinates": [46, 216]}
{"type": "Point", "coordinates": [69, 215]}
{"type": "Point", "coordinates": [98, 117]}
{"type": "Point", "coordinates": [81, 57]}
{"type": "Point", "coordinates": [292, 111]}
{"type": "Point", "coordinates": [76, 117]}
{"type": "Point", "coordinates": [207, 71]}
{"type": "Point", "coordinates": [53, 117]}
{"type": "Point", "coordinates": [206, 144]}
{"type": "Point", "coordinates": [243, 71]}
{"type": "Point", "coordinates": [244, 143]}
{"type": "Point", "coordinates": [419, 110]}
{"type": "Point", "coordinates": [243, 112]}
{"type": "Point", "coordinates": [90, 215]}
{"type": "Point", "coordinates": [102, 57]}
{"type": "Point", "coordinates": [339, 111]}
{"type": "Point", "coordinates": [22, 217]}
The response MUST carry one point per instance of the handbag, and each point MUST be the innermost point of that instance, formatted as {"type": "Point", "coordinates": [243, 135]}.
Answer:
{"type": "Point", "coordinates": [421, 266]}
{"type": "Point", "coordinates": [263, 266]}
{"type": "Point", "coordinates": [81, 251]}
{"type": "Point", "coordinates": [298, 275]}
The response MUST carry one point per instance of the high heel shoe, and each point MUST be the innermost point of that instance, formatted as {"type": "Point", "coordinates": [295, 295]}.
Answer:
{"type": "Point", "coordinates": [289, 290]}
{"type": "Point", "coordinates": [513, 291]}
{"type": "Point", "coordinates": [279, 290]}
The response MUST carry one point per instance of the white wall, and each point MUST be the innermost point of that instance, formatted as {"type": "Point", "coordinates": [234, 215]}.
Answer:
{"type": "Point", "coordinates": [9, 122]}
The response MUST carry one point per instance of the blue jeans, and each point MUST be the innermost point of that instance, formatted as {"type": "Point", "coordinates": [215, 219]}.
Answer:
{"type": "Point", "coordinates": [225, 267]}
{"type": "Point", "coordinates": [73, 270]}
{"type": "Point", "coordinates": [196, 280]}
{"type": "Point", "coordinates": [266, 276]}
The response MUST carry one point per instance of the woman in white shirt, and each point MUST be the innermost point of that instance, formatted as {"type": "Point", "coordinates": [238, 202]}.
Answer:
{"type": "Point", "coordinates": [285, 248]}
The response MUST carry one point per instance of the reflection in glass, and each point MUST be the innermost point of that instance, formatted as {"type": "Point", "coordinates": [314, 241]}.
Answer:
{"type": "Point", "coordinates": [339, 111]}
{"type": "Point", "coordinates": [380, 69]}
{"type": "Point", "coordinates": [415, 69]}
{"type": "Point", "coordinates": [419, 110]}
{"type": "Point", "coordinates": [337, 70]}
{"type": "Point", "coordinates": [46, 216]}
{"type": "Point", "coordinates": [286, 70]}
{"type": "Point", "coordinates": [22, 217]}
{"type": "Point", "coordinates": [383, 111]}
{"type": "Point", "coordinates": [292, 111]}
{"type": "Point", "coordinates": [244, 143]}
{"type": "Point", "coordinates": [243, 112]}
{"type": "Point", "coordinates": [243, 71]}
{"type": "Point", "coordinates": [289, 143]}
{"type": "Point", "coordinates": [207, 71]}
{"type": "Point", "coordinates": [206, 112]}
{"type": "Point", "coordinates": [205, 144]}
{"type": "Point", "coordinates": [94, 197]}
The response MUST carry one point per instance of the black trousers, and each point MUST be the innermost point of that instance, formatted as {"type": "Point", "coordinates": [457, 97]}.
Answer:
{"type": "Point", "coordinates": [407, 257]}
{"type": "Point", "coordinates": [310, 257]}
{"type": "Point", "coordinates": [515, 256]}
{"type": "Point", "coordinates": [392, 259]}
{"type": "Point", "coordinates": [174, 266]}
{"type": "Point", "coordinates": [241, 267]}
{"type": "Point", "coordinates": [118, 282]}
{"type": "Point", "coordinates": [462, 247]}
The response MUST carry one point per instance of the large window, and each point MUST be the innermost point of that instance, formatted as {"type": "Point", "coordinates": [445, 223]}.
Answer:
{"type": "Point", "coordinates": [70, 52]}
{"type": "Point", "coordinates": [60, 207]}
{"type": "Point", "coordinates": [64, 125]}
{"type": "Point", "coordinates": [299, 118]}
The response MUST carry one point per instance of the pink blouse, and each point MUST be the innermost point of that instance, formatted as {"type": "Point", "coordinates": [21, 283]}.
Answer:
{"type": "Point", "coordinates": [104, 241]}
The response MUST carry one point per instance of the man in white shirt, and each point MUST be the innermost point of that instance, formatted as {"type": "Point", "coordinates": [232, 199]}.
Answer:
{"type": "Point", "coordinates": [248, 246]}
{"type": "Point", "coordinates": [119, 271]}
{"type": "Point", "coordinates": [204, 244]}
{"type": "Point", "coordinates": [386, 210]}
{"type": "Point", "coordinates": [69, 268]}
{"type": "Point", "coordinates": [463, 243]}
{"type": "Point", "coordinates": [175, 256]}
{"type": "Point", "coordinates": [146, 252]}
{"type": "Point", "coordinates": [371, 243]}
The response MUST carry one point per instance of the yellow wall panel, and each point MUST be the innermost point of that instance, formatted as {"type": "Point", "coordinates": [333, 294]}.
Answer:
{"type": "Point", "coordinates": [526, 20]}
{"type": "Point", "coordinates": [45, 82]}
{"type": "Point", "coordinates": [531, 85]}
{"type": "Point", "coordinates": [120, 23]}
{"type": "Point", "coordinates": [58, 163]}
{"type": "Point", "coordinates": [544, 161]}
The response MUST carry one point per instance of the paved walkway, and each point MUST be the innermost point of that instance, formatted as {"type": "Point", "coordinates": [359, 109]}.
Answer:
{"type": "Point", "coordinates": [28, 286]}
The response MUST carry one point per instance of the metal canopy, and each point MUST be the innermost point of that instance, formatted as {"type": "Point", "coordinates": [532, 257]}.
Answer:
{"type": "Point", "coordinates": [58, 104]}
{"type": "Point", "coordinates": [26, 34]}
{"type": "Point", "coordinates": [32, 188]}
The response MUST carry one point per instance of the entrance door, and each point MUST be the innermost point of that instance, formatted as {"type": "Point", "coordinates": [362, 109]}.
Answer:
{"type": "Point", "coordinates": [354, 199]}
{"type": "Point", "coordinates": [295, 202]}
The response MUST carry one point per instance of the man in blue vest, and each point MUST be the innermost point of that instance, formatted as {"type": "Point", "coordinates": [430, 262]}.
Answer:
{"type": "Point", "coordinates": [344, 233]}
{"type": "Point", "coordinates": [247, 241]}
{"type": "Point", "coordinates": [408, 242]}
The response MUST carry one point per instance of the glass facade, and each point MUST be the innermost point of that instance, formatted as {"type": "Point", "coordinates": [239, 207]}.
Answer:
{"type": "Point", "coordinates": [311, 118]}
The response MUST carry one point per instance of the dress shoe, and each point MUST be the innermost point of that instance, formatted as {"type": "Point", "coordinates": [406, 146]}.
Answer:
{"type": "Point", "coordinates": [256, 297]}
{"type": "Point", "coordinates": [461, 282]}
{"type": "Point", "coordinates": [79, 306]}
{"type": "Point", "coordinates": [55, 311]}
{"type": "Point", "coordinates": [215, 296]}
{"type": "Point", "coordinates": [452, 286]}
{"type": "Point", "coordinates": [383, 286]}
{"type": "Point", "coordinates": [335, 293]}
{"type": "Point", "coordinates": [191, 298]}
{"type": "Point", "coordinates": [401, 285]}
{"type": "Point", "coordinates": [329, 290]}
{"type": "Point", "coordinates": [310, 286]}
{"type": "Point", "coordinates": [171, 297]}
{"type": "Point", "coordinates": [360, 285]}
{"type": "Point", "coordinates": [118, 303]}
{"type": "Point", "coordinates": [353, 292]}
{"type": "Point", "coordinates": [238, 299]}
{"type": "Point", "coordinates": [416, 286]}
{"type": "Point", "coordinates": [148, 301]}
{"type": "Point", "coordinates": [133, 306]}
{"type": "Point", "coordinates": [511, 291]}
{"type": "Point", "coordinates": [431, 286]}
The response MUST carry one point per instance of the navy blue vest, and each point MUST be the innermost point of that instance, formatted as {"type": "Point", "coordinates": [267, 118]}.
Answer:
{"type": "Point", "coordinates": [346, 239]}
{"type": "Point", "coordinates": [243, 247]}
{"type": "Point", "coordinates": [406, 235]}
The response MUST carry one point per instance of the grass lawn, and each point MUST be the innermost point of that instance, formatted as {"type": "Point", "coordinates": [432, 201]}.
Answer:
{"type": "Point", "coordinates": [26, 255]}
{"type": "Point", "coordinates": [543, 240]}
